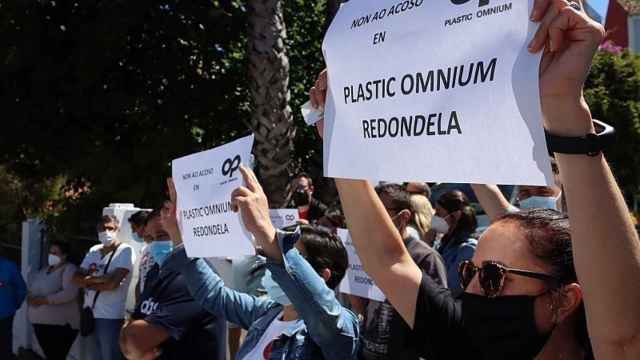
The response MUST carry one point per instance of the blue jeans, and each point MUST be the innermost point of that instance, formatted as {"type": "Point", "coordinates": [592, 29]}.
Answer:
{"type": "Point", "coordinates": [107, 334]}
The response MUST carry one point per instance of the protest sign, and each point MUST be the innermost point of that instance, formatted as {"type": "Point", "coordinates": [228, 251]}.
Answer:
{"type": "Point", "coordinates": [282, 218]}
{"type": "Point", "coordinates": [442, 91]}
{"type": "Point", "coordinates": [356, 281]}
{"type": "Point", "coordinates": [204, 182]}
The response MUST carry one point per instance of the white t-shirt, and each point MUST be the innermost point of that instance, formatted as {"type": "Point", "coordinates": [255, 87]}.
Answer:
{"type": "Point", "coordinates": [110, 304]}
{"type": "Point", "coordinates": [146, 262]}
{"type": "Point", "coordinates": [275, 329]}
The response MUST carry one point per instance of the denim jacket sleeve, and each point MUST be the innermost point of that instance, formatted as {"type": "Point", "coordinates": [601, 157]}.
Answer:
{"type": "Point", "coordinates": [331, 326]}
{"type": "Point", "coordinates": [208, 290]}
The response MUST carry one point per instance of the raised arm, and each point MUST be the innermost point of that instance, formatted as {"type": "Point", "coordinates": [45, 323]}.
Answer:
{"type": "Point", "coordinates": [605, 244]}
{"type": "Point", "coordinates": [380, 246]}
{"type": "Point", "coordinates": [206, 287]}
{"type": "Point", "coordinates": [491, 200]}
{"type": "Point", "coordinates": [377, 241]}
{"type": "Point", "coordinates": [330, 325]}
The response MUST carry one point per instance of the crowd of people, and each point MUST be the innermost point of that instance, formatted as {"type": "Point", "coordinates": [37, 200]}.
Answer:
{"type": "Point", "coordinates": [554, 275]}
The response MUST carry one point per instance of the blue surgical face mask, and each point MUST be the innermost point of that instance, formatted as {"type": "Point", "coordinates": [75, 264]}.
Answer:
{"type": "Point", "coordinates": [539, 202]}
{"type": "Point", "coordinates": [136, 237]}
{"type": "Point", "coordinates": [160, 250]}
{"type": "Point", "coordinates": [273, 289]}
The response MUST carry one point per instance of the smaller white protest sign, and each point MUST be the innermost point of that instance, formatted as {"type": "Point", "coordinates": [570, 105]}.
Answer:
{"type": "Point", "coordinates": [282, 218]}
{"type": "Point", "coordinates": [204, 182]}
{"type": "Point", "coordinates": [310, 114]}
{"type": "Point", "coordinates": [356, 281]}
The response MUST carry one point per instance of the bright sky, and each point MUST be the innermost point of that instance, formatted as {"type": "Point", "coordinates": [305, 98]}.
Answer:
{"type": "Point", "coordinates": [599, 5]}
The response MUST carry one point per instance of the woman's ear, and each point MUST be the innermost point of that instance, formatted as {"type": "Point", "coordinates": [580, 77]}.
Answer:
{"type": "Point", "coordinates": [567, 301]}
{"type": "Point", "coordinates": [326, 274]}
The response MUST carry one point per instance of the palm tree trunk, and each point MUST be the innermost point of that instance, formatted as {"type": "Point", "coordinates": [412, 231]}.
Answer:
{"type": "Point", "coordinates": [272, 121]}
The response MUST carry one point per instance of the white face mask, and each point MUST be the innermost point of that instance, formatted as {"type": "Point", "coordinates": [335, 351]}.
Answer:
{"type": "Point", "coordinates": [54, 260]}
{"type": "Point", "coordinates": [439, 224]}
{"type": "Point", "coordinates": [106, 237]}
{"type": "Point", "coordinates": [539, 202]}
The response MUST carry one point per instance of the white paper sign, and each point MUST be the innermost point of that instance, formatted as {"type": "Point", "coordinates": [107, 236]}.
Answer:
{"type": "Point", "coordinates": [310, 114]}
{"type": "Point", "coordinates": [204, 182]}
{"type": "Point", "coordinates": [356, 281]}
{"type": "Point", "coordinates": [434, 90]}
{"type": "Point", "coordinates": [282, 218]}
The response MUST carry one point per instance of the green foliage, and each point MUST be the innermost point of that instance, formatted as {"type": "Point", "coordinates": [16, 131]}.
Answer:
{"type": "Point", "coordinates": [613, 94]}
{"type": "Point", "coordinates": [104, 94]}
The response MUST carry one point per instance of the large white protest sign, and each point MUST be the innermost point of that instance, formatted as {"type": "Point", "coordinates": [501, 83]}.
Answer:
{"type": "Point", "coordinates": [282, 218]}
{"type": "Point", "coordinates": [356, 281]}
{"type": "Point", "coordinates": [443, 91]}
{"type": "Point", "coordinates": [204, 182]}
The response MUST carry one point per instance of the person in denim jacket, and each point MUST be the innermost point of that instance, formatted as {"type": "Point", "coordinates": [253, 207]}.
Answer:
{"type": "Point", "coordinates": [301, 318]}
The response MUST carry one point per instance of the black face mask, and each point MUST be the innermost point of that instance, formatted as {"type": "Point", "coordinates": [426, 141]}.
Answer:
{"type": "Point", "coordinates": [300, 198]}
{"type": "Point", "coordinates": [503, 327]}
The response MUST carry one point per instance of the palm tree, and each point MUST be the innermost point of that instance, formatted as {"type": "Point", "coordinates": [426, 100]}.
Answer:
{"type": "Point", "coordinates": [272, 121]}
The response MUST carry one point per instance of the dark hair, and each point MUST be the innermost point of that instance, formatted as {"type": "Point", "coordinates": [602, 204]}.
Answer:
{"type": "Point", "coordinates": [155, 213]}
{"type": "Point", "coordinates": [325, 250]}
{"type": "Point", "coordinates": [306, 176]}
{"type": "Point", "coordinates": [548, 235]}
{"type": "Point", "coordinates": [400, 198]}
{"type": "Point", "coordinates": [139, 218]}
{"type": "Point", "coordinates": [456, 200]}
{"type": "Point", "coordinates": [64, 247]}
{"type": "Point", "coordinates": [108, 219]}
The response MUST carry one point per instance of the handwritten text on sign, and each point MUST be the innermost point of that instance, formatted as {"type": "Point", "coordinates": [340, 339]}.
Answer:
{"type": "Point", "coordinates": [204, 182]}
{"type": "Point", "coordinates": [356, 281]}
{"type": "Point", "coordinates": [447, 83]}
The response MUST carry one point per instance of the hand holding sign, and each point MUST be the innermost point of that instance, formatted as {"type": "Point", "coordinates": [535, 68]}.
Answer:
{"type": "Point", "coordinates": [571, 40]}
{"type": "Point", "coordinates": [317, 97]}
{"type": "Point", "coordinates": [168, 217]}
{"type": "Point", "coordinates": [251, 201]}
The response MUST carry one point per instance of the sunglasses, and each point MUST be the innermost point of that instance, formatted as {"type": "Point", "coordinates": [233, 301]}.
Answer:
{"type": "Point", "coordinates": [491, 276]}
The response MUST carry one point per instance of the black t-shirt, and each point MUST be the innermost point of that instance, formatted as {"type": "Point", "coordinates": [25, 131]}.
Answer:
{"type": "Point", "coordinates": [193, 332]}
{"type": "Point", "coordinates": [438, 330]}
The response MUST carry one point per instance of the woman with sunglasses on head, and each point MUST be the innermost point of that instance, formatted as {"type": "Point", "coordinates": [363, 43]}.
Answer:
{"type": "Point", "coordinates": [532, 274]}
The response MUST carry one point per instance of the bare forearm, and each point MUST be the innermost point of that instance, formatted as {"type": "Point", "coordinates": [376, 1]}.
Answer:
{"type": "Point", "coordinates": [606, 246]}
{"type": "Point", "coordinates": [268, 242]}
{"type": "Point", "coordinates": [372, 230]}
{"type": "Point", "coordinates": [491, 200]}
{"type": "Point", "coordinates": [138, 339]}
{"type": "Point", "coordinates": [380, 246]}
{"type": "Point", "coordinates": [80, 279]}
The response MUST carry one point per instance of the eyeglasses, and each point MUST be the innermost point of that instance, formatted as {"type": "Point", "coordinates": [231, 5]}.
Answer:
{"type": "Point", "coordinates": [491, 276]}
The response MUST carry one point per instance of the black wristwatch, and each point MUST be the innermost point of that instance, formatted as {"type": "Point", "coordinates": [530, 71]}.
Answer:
{"type": "Point", "coordinates": [590, 144]}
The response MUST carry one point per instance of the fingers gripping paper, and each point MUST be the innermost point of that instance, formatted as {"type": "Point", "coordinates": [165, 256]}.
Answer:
{"type": "Point", "coordinates": [442, 91]}
{"type": "Point", "coordinates": [204, 182]}
{"type": "Point", "coordinates": [356, 281]}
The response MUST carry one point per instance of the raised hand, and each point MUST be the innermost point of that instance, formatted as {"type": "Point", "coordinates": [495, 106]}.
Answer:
{"type": "Point", "coordinates": [168, 215]}
{"type": "Point", "coordinates": [569, 39]}
{"type": "Point", "coordinates": [251, 201]}
{"type": "Point", "coordinates": [318, 95]}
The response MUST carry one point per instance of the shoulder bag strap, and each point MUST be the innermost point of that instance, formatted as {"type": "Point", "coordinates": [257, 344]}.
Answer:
{"type": "Point", "coordinates": [113, 252]}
